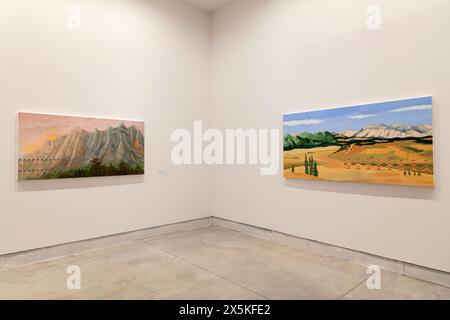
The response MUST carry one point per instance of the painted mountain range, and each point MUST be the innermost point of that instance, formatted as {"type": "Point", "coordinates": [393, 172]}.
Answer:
{"type": "Point", "coordinates": [391, 131]}
{"type": "Point", "coordinates": [369, 134]}
{"type": "Point", "coordinates": [112, 145]}
{"type": "Point", "coordinates": [71, 147]}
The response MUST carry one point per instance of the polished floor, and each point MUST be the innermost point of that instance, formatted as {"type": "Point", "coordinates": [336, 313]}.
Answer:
{"type": "Point", "coordinates": [211, 263]}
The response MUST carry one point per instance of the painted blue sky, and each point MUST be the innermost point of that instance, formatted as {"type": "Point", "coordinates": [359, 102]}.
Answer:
{"type": "Point", "coordinates": [406, 112]}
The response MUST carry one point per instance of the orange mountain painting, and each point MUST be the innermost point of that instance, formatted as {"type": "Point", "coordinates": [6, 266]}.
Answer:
{"type": "Point", "coordinates": [59, 147]}
{"type": "Point", "coordinates": [384, 143]}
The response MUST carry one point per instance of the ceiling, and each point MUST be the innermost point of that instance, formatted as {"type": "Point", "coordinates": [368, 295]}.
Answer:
{"type": "Point", "coordinates": [209, 5]}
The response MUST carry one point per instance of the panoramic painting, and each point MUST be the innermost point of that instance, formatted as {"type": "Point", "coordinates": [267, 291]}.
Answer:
{"type": "Point", "coordinates": [59, 147]}
{"type": "Point", "coordinates": [385, 143]}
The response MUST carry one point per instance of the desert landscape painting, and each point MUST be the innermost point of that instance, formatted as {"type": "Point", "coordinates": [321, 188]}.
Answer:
{"type": "Point", "coordinates": [384, 143]}
{"type": "Point", "coordinates": [59, 147]}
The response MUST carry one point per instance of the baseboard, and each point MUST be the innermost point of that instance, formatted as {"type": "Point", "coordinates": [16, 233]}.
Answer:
{"type": "Point", "coordinates": [410, 270]}
{"type": "Point", "coordinates": [58, 251]}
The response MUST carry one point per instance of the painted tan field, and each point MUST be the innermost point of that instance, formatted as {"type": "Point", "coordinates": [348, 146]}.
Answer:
{"type": "Point", "coordinates": [337, 165]}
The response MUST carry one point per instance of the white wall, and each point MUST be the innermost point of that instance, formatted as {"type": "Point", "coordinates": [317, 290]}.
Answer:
{"type": "Point", "coordinates": [133, 59]}
{"type": "Point", "coordinates": [276, 56]}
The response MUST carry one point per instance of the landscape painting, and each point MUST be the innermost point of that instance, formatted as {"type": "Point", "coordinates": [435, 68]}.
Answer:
{"type": "Point", "coordinates": [59, 147]}
{"type": "Point", "coordinates": [384, 143]}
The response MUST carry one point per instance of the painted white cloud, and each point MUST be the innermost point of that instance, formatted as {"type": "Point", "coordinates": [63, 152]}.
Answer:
{"type": "Point", "coordinates": [415, 108]}
{"type": "Point", "coordinates": [362, 116]}
{"type": "Point", "coordinates": [309, 122]}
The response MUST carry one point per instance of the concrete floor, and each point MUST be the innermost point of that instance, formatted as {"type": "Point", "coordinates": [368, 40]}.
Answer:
{"type": "Point", "coordinates": [212, 263]}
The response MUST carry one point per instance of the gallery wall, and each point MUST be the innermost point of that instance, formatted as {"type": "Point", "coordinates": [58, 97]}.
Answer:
{"type": "Point", "coordinates": [150, 60]}
{"type": "Point", "coordinates": [130, 59]}
{"type": "Point", "coordinates": [288, 56]}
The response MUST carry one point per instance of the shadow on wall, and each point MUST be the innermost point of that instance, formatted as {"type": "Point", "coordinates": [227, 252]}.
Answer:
{"type": "Point", "coordinates": [364, 189]}
{"type": "Point", "coordinates": [80, 183]}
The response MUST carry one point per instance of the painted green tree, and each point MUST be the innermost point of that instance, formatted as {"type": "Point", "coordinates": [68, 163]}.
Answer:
{"type": "Point", "coordinates": [96, 168]}
{"type": "Point", "coordinates": [306, 164]}
{"type": "Point", "coordinates": [311, 166]}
